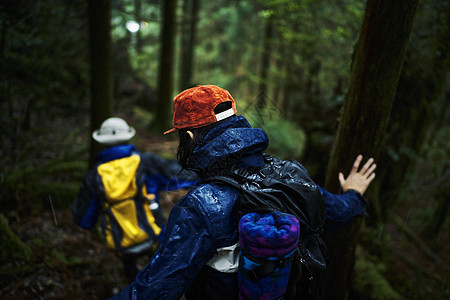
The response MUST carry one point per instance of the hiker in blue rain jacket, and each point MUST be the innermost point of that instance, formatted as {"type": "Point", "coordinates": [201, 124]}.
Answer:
{"type": "Point", "coordinates": [197, 257]}
{"type": "Point", "coordinates": [123, 190]}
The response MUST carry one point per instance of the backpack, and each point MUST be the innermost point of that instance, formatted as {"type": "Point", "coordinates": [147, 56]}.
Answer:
{"type": "Point", "coordinates": [268, 243]}
{"type": "Point", "coordinates": [280, 189]}
{"type": "Point", "coordinates": [130, 226]}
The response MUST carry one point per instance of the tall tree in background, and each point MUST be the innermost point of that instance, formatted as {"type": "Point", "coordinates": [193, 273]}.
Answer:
{"type": "Point", "coordinates": [376, 69]}
{"type": "Point", "coordinates": [101, 65]}
{"type": "Point", "coordinates": [166, 65]}
{"type": "Point", "coordinates": [138, 16]}
{"type": "Point", "coordinates": [422, 80]}
{"type": "Point", "coordinates": [188, 35]}
{"type": "Point", "coordinates": [265, 62]}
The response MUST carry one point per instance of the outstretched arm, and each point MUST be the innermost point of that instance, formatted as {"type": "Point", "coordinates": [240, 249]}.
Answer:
{"type": "Point", "coordinates": [358, 180]}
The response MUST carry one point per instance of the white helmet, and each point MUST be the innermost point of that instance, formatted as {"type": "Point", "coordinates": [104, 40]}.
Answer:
{"type": "Point", "coordinates": [113, 131]}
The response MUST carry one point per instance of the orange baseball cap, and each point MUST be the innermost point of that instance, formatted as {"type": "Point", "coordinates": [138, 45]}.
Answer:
{"type": "Point", "coordinates": [194, 107]}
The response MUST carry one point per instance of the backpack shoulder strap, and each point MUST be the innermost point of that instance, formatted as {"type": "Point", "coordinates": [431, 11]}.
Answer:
{"type": "Point", "coordinates": [222, 179]}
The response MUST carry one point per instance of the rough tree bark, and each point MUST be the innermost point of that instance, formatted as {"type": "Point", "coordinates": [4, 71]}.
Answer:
{"type": "Point", "coordinates": [265, 63]}
{"type": "Point", "coordinates": [101, 66]}
{"type": "Point", "coordinates": [166, 64]}
{"type": "Point", "coordinates": [376, 69]}
{"type": "Point", "coordinates": [422, 82]}
{"type": "Point", "coordinates": [138, 16]}
{"type": "Point", "coordinates": [189, 31]}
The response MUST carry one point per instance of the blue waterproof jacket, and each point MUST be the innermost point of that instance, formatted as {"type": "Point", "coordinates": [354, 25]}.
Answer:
{"type": "Point", "coordinates": [342, 208]}
{"type": "Point", "coordinates": [204, 225]}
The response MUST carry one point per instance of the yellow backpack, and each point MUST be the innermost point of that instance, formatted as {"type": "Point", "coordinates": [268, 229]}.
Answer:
{"type": "Point", "coordinates": [129, 225]}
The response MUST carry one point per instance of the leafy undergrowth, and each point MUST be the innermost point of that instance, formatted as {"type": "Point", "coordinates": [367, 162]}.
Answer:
{"type": "Point", "coordinates": [67, 262]}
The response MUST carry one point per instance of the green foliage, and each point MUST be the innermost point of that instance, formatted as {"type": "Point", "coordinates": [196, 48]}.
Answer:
{"type": "Point", "coordinates": [286, 140]}
{"type": "Point", "coordinates": [144, 63]}
{"type": "Point", "coordinates": [311, 32]}
{"type": "Point", "coordinates": [12, 248]}
{"type": "Point", "coordinates": [369, 281]}
{"type": "Point", "coordinates": [40, 60]}
{"type": "Point", "coordinates": [44, 63]}
{"type": "Point", "coordinates": [227, 44]}
{"type": "Point", "coordinates": [38, 241]}
{"type": "Point", "coordinates": [67, 261]}
{"type": "Point", "coordinates": [36, 187]}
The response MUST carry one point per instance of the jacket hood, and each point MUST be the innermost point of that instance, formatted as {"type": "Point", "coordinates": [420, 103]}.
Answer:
{"type": "Point", "coordinates": [115, 152]}
{"type": "Point", "coordinates": [234, 139]}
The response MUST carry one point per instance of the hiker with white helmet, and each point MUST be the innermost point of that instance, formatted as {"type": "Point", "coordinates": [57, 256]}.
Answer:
{"type": "Point", "coordinates": [113, 131]}
{"type": "Point", "coordinates": [123, 190]}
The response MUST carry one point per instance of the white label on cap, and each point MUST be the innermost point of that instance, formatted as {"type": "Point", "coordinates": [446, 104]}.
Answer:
{"type": "Point", "coordinates": [225, 114]}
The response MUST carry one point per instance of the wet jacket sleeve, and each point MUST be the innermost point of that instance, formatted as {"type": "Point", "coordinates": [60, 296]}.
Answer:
{"type": "Point", "coordinates": [85, 208]}
{"type": "Point", "coordinates": [344, 207]}
{"type": "Point", "coordinates": [165, 175]}
{"type": "Point", "coordinates": [186, 247]}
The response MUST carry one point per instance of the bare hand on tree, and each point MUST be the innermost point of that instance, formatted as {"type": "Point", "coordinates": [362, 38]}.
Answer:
{"type": "Point", "coordinates": [358, 180]}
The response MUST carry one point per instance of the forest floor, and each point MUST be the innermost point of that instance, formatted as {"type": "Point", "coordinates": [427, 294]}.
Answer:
{"type": "Point", "coordinates": [72, 263]}
{"type": "Point", "coordinates": [69, 262]}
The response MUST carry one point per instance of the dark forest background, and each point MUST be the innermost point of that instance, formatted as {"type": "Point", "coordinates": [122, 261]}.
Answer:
{"type": "Point", "coordinates": [326, 79]}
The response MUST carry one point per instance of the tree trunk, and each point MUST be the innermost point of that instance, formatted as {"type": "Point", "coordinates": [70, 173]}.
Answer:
{"type": "Point", "coordinates": [265, 63]}
{"type": "Point", "coordinates": [100, 63]}
{"type": "Point", "coordinates": [376, 69]}
{"type": "Point", "coordinates": [138, 16]}
{"type": "Point", "coordinates": [165, 78]}
{"type": "Point", "coordinates": [189, 30]}
{"type": "Point", "coordinates": [422, 80]}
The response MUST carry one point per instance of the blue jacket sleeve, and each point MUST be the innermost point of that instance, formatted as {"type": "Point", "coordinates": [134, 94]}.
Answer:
{"type": "Point", "coordinates": [85, 208]}
{"type": "Point", "coordinates": [185, 249]}
{"type": "Point", "coordinates": [165, 175]}
{"type": "Point", "coordinates": [344, 207]}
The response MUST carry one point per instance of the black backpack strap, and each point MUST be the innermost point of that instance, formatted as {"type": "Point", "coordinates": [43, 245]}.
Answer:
{"type": "Point", "coordinates": [222, 179]}
{"type": "Point", "coordinates": [251, 201]}
{"type": "Point", "coordinates": [295, 276]}
{"type": "Point", "coordinates": [266, 266]}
